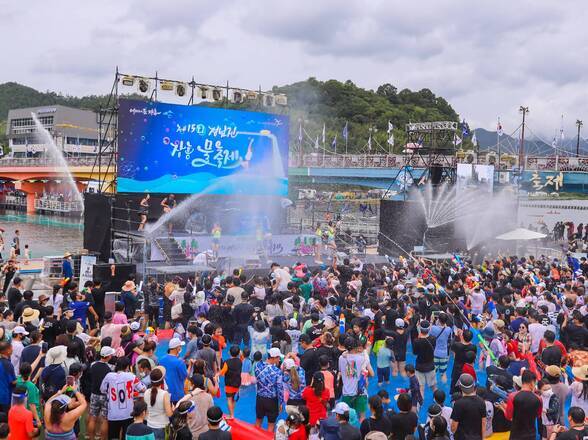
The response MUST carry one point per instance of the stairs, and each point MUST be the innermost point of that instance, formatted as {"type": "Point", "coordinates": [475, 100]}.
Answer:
{"type": "Point", "coordinates": [171, 251]}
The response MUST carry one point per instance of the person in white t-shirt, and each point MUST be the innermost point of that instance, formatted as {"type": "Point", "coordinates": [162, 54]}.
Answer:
{"type": "Point", "coordinates": [536, 330]}
{"type": "Point", "coordinates": [120, 388]}
{"type": "Point", "coordinates": [282, 277]}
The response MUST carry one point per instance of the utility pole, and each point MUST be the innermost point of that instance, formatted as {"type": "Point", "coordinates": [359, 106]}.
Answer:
{"type": "Point", "coordinates": [579, 124]}
{"type": "Point", "coordinates": [524, 111]}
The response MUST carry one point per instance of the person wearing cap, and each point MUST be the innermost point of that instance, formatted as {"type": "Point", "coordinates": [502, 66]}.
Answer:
{"type": "Point", "coordinates": [400, 337]}
{"type": "Point", "coordinates": [423, 348]}
{"type": "Point", "coordinates": [138, 430]}
{"type": "Point", "coordinates": [175, 368]}
{"type": "Point", "coordinates": [269, 390]}
{"type": "Point", "coordinates": [120, 387]}
{"type": "Point", "coordinates": [214, 416]}
{"type": "Point", "coordinates": [337, 426]}
{"type": "Point", "coordinates": [468, 418]}
{"type": "Point", "coordinates": [197, 421]}
{"type": "Point", "coordinates": [98, 400]}
{"type": "Point", "coordinates": [20, 419]}
{"type": "Point", "coordinates": [62, 412]}
{"type": "Point", "coordinates": [18, 335]}
{"type": "Point", "coordinates": [67, 271]}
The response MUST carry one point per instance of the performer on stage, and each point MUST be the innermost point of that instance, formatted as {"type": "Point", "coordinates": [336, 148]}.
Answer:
{"type": "Point", "coordinates": [216, 236]}
{"type": "Point", "coordinates": [168, 204]}
{"type": "Point", "coordinates": [143, 211]}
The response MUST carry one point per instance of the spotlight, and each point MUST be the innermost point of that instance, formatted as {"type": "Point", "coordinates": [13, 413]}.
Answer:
{"type": "Point", "coordinates": [166, 85]}
{"type": "Point", "coordinates": [216, 94]}
{"type": "Point", "coordinates": [268, 100]}
{"type": "Point", "coordinates": [143, 85]}
{"type": "Point", "coordinates": [180, 89]}
{"type": "Point", "coordinates": [128, 81]}
{"type": "Point", "coordinates": [251, 96]}
{"type": "Point", "coordinates": [237, 97]}
{"type": "Point", "coordinates": [281, 100]}
{"type": "Point", "coordinates": [203, 92]}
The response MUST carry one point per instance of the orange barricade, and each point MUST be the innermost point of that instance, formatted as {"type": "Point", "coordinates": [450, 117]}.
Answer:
{"type": "Point", "coordinates": [246, 431]}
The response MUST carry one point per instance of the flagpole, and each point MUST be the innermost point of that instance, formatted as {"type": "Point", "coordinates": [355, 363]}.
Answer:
{"type": "Point", "coordinates": [498, 146]}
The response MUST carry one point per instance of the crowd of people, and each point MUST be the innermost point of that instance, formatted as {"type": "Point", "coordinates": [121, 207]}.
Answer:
{"type": "Point", "coordinates": [480, 350]}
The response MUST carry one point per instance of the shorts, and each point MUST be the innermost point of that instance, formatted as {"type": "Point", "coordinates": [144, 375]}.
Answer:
{"type": "Point", "coordinates": [267, 407]}
{"type": "Point", "coordinates": [231, 391]}
{"type": "Point", "coordinates": [441, 364]}
{"type": "Point", "coordinates": [118, 428]}
{"type": "Point", "coordinates": [383, 374]}
{"type": "Point", "coordinates": [98, 405]}
{"type": "Point", "coordinates": [358, 403]}
{"type": "Point", "coordinates": [427, 379]}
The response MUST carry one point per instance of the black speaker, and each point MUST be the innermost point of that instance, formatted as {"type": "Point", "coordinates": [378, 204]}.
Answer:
{"type": "Point", "coordinates": [97, 224]}
{"type": "Point", "coordinates": [436, 174]}
{"type": "Point", "coordinates": [123, 272]}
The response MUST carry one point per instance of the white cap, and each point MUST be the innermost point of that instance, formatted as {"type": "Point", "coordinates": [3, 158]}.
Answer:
{"type": "Point", "coordinates": [430, 286]}
{"type": "Point", "coordinates": [19, 330]}
{"type": "Point", "coordinates": [107, 351]}
{"type": "Point", "coordinates": [399, 322]}
{"type": "Point", "coordinates": [175, 343]}
{"type": "Point", "coordinates": [135, 326]}
{"type": "Point", "coordinates": [341, 408]}
{"type": "Point", "coordinates": [293, 323]}
{"type": "Point", "coordinates": [289, 363]}
{"type": "Point", "coordinates": [400, 287]}
{"type": "Point", "coordinates": [272, 352]}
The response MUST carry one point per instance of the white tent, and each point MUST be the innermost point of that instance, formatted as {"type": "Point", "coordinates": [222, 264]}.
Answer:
{"type": "Point", "coordinates": [521, 234]}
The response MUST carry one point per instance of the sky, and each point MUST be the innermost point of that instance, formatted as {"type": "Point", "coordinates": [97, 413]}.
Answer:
{"type": "Point", "coordinates": [486, 58]}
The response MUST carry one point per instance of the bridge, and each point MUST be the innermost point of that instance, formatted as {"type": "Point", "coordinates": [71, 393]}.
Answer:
{"type": "Point", "coordinates": [36, 175]}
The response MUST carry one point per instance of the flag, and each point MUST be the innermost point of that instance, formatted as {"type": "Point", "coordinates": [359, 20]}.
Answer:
{"type": "Point", "coordinates": [561, 134]}
{"type": "Point", "coordinates": [456, 140]}
{"type": "Point", "coordinates": [370, 143]}
{"type": "Point", "coordinates": [465, 130]}
{"type": "Point", "coordinates": [345, 131]}
{"type": "Point", "coordinates": [316, 143]}
{"type": "Point", "coordinates": [334, 143]}
{"type": "Point", "coordinates": [390, 133]}
{"type": "Point", "coordinates": [474, 139]}
{"type": "Point", "coordinates": [554, 142]}
{"type": "Point", "coordinates": [300, 133]}
{"type": "Point", "coordinates": [324, 133]}
{"type": "Point", "coordinates": [499, 128]}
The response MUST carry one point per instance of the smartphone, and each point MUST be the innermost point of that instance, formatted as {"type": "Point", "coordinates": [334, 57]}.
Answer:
{"type": "Point", "coordinates": [44, 347]}
{"type": "Point", "coordinates": [70, 381]}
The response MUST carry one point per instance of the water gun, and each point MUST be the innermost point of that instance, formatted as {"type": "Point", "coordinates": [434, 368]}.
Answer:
{"type": "Point", "coordinates": [484, 344]}
{"type": "Point", "coordinates": [342, 324]}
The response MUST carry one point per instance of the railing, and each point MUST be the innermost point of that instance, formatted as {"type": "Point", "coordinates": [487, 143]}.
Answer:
{"type": "Point", "coordinates": [57, 206]}
{"type": "Point", "coordinates": [13, 201]}
{"type": "Point", "coordinates": [532, 163]}
{"type": "Point", "coordinates": [47, 161]}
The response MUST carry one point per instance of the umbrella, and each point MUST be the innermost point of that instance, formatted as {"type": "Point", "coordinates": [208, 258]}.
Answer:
{"type": "Point", "coordinates": [521, 234]}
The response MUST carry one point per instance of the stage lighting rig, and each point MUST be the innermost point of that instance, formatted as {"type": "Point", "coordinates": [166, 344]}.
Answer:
{"type": "Point", "coordinates": [143, 85]}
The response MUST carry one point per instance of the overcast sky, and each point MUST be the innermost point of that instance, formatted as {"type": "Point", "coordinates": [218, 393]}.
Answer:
{"type": "Point", "coordinates": [486, 58]}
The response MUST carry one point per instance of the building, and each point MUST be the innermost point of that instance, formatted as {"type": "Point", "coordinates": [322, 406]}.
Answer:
{"type": "Point", "coordinates": [75, 131]}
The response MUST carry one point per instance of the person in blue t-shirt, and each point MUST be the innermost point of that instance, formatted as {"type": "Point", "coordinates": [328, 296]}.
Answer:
{"type": "Point", "coordinates": [175, 370]}
{"type": "Point", "coordinates": [7, 376]}
{"type": "Point", "coordinates": [80, 309]}
{"type": "Point", "coordinates": [443, 334]}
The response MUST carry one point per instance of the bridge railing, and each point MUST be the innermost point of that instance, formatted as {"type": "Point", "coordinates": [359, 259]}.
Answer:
{"type": "Point", "coordinates": [539, 163]}
{"type": "Point", "coordinates": [57, 205]}
{"type": "Point", "coordinates": [47, 161]}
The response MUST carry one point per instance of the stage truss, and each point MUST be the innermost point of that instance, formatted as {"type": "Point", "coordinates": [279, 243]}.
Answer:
{"type": "Point", "coordinates": [430, 146]}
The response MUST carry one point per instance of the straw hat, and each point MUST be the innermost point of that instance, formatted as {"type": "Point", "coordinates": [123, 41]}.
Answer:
{"type": "Point", "coordinates": [128, 286]}
{"type": "Point", "coordinates": [67, 255]}
{"type": "Point", "coordinates": [29, 314]}
{"type": "Point", "coordinates": [580, 373]}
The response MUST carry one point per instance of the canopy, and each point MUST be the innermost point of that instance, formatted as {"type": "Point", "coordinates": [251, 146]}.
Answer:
{"type": "Point", "coordinates": [521, 234]}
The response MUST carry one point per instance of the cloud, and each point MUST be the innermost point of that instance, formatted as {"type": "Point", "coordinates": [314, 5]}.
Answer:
{"type": "Point", "coordinates": [485, 58]}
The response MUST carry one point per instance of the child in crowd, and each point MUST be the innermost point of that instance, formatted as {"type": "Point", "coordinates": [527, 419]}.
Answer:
{"type": "Point", "coordinates": [232, 371]}
{"type": "Point", "coordinates": [439, 398]}
{"type": "Point", "coordinates": [550, 409]}
{"type": "Point", "coordinates": [221, 343]}
{"type": "Point", "coordinates": [247, 377]}
{"type": "Point", "coordinates": [33, 396]}
{"type": "Point", "coordinates": [294, 334]}
{"type": "Point", "coordinates": [414, 388]}
{"type": "Point", "coordinates": [468, 367]}
{"type": "Point", "coordinates": [329, 378]}
{"type": "Point", "coordinates": [384, 359]}
{"type": "Point", "coordinates": [27, 254]}
{"type": "Point", "coordinates": [259, 337]}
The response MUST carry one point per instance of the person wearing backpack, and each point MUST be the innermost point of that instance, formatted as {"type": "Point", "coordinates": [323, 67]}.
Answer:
{"type": "Point", "coordinates": [550, 408]}
{"type": "Point", "coordinates": [53, 375]}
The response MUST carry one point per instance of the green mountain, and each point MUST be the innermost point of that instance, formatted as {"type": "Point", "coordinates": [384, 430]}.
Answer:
{"type": "Point", "coordinates": [311, 103]}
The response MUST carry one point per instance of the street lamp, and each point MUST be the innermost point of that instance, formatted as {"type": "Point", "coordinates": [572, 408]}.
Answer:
{"type": "Point", "coordinates": [579, 125]}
